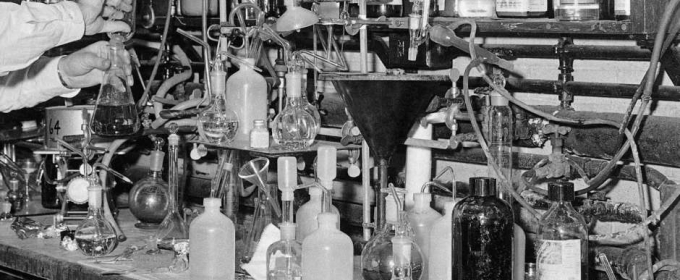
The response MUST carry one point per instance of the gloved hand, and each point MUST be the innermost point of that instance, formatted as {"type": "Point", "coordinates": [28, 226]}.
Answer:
{"type": "Point", "coordinates": [94, 14]}
{"type": "Point", "coordinates": [85, 68]}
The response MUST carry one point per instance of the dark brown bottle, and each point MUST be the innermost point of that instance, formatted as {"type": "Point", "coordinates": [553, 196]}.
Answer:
{"type": "Point", "coordinates": [482, 234]}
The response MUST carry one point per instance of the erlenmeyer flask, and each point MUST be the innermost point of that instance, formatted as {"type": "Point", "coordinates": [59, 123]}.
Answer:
{"type": "Point", "coordinates": [115, 113]}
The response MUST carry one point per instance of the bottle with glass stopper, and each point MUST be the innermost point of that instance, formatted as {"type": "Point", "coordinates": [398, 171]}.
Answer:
{"type": "Point", "coordinates": [14, 196]}
{"type": "Point", "coordinates": [482, 234]}
{"type": "Point", "coordinates": [441, 234]}
{"type": "Point", "coordinates": [562, 246]}
{"type": "Point", "coordinates": [422, 217]}
{"type": "Point", "coordinates": [284, 257]}
{"type": "Point", "coordinates": [149, 197]}
{"type": "Point", "coordinates": [378, 261]}
{"type": "Point", "coordinates": [212, 244]}
{"type": "Point", "coordinates": [294, 127]}
{"type": "Point", "coordinates": [327, 252]}
{"type": "Point", "coordinates": [115, 113]}
{"type": "Point", "coordinates": [95, 236]}
{"type": "Point", "coordinates": [219, 123]}
{"type": "Point", "coordinates": [173, 225]}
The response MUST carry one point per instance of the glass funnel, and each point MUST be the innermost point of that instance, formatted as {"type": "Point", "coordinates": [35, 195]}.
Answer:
{"type": "Point", "coordinates": [173, 227]}
{"type": "Point", "coordinates": [115, 113]}
{"type": "Point", "coordinates": [218, 123]}
{"type": "Point", "coordinates": [391, 253]}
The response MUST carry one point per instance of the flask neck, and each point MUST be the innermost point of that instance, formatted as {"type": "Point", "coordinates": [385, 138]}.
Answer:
{"type": "Point", "coordinates": [115, 56]}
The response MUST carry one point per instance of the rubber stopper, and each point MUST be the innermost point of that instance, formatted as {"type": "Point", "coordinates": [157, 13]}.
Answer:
{"type": "Point", "coordinates": [326, 163]}
{"type": "Point", "coordinates": [294, 84]}
{"type": "Point", "coordinates": [287, 172]}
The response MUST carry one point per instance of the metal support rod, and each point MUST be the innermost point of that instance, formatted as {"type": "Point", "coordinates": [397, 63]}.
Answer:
{"type": "Point", "coordinates": [583, 52]}
{"type": "Point", "coordinates": [365, 151]}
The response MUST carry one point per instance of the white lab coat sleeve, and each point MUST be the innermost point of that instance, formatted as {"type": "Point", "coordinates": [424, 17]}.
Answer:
{"type": "Point", "coordinates": [32, 85]}
{"type": "Point", "coordinates": [30, 29]}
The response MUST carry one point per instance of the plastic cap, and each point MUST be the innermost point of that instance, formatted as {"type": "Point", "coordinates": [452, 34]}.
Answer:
{"type": "Point", "coordinates": [287, 231]}
{"type": "Point", "coordinates": [327, 218]}
{"type": "Point", "coordinates": [482, 186]}
{"type": "Point", "coordinates": [561, 191]}
{"type": "Point", "coordinates": [259, 123]}
{"type": "Point", "coordinates": [315, 191]}
{"type": "Point", "coordinates": [422, 200]}
{"type": "Point", "coordinates": [326, 163]}
{"type": "Point", "coordinates": [211, 202]}
{"type": "Point", "coordinates": [287, 172]}
{"type": "Point", "coordinates": [294, 84]}
{"type": "Point", "coordinates": [157, 160]}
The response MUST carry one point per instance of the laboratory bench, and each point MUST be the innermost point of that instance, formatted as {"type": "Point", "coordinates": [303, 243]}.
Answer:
{"type": "Point", "coordinates": [35, 258]}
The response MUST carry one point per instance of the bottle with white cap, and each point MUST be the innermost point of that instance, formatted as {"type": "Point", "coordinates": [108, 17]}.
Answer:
{"type": "Point", "coordinates": [284, 257]}
{"type": "Point", "coordinates": [327, 252]}
{"type": "Point", "coordinates": [307, 213]}
{"type": "Point", "coordinates": [439, 258]}
{"type": "Point", "coordinates": [212, 244]}
{"type": "Point", "coordinates": [422, 217]}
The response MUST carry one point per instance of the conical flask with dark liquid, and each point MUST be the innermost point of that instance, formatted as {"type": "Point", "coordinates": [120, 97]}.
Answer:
{"type": "Point", "coordinates": [115, 113]}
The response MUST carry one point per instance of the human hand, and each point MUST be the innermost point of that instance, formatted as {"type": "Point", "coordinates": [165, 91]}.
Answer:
{"type": "Point", "coordinates": [85, 68]}
{"type": "Point", "coordinates": [94, 12]}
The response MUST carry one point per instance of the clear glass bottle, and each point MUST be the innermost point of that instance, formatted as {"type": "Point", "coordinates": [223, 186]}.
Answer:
{"type": "Point", "coordinates": [259, 136]}
{"type": "Point", "coordinates": [212, 244]}
{"type": "Point", "coordinates": [15, 196]}
{"type": "Point", "coordinates": [327, 252]}
{"type": "Point", "coordinates": [439, 259]}
{"type": "Point", "coordinates": [562, 238]}
{"type": "Point", "coordinates": [422, 218]}
{"type": "Point", "coordinates": [173, 226]}
{"type": "Point", "coordinates": [149, 198]}
{"type": "Point", "coordinates": [483, 230]}
{"type": "Point", "coordinates": [576, 10]}
{"type": "Point", "coordinates": [247, 97]}
{"type": "Point", "coordinates": [219, 123]}
{"type": "Point", "coordinates": [307, 213]}
{"type": "Point", "coordinates": [377, 257]}
{"type": "Point", "coordinates": [95, 236]}
{"type": "Point", "coordinates": [294, 127]}
{"type": "Point", "coordinates": [115, 113]}
{"type": "Point", "coordinates": [284, 257]}
{"type": "Point", "coordinates": [499, 137]}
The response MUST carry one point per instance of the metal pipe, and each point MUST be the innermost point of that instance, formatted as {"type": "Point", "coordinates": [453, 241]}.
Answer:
{"type": "Point", "coordinates": [365, 150]}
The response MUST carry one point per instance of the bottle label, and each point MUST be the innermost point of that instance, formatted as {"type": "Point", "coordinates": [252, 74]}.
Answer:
{"type": "Point", "coordinates": [559, 259]}
{"type": "Point", "coordinates": [521, 6]}
{"type": "Point", "coordinates": [622, 7]}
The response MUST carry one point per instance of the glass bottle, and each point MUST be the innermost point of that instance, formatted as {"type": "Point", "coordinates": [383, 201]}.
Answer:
{"type": "Point", "coordinates": [377, 257]}
{"type": "Point", "coordinates": [127, 17]}
{"type": "Point", "coordinates": [115, 113]}
{"type": "Point", "coordinates": [327, 252]}
{"type": "Point", "coordinates": [149, 197]}
{"type": "Point", "coordinates": [284, 257]}
{"type": "Point", "coordinates": [576, 10]}
{"type": "Point", "coordinates": [307, 214]}
{"type": "Point", "coordinates": [499, 137]}
{"type": "Point", "coordinates": [247, 97]}
{"type": "Point", "coordinates": [439, 259]}
{"type": "Point", "coordinates": [562, 238]}
{"type": "Point", "coordinates": [15, 196]}
{"type": "Point", "coordinates": [422, 218]}
{"type": "Point", "coordinates": [219, 123]}
{"type": "Point", "coordinates": [173, 225]}
{"type": "Point", "coordinates": [482, 234]}
{"type": "Point", "coordinates": [294, 127]}
{"type": "Point", "coordinates": [259, 136]}
{"type": "Point", "coordinates": [212, 244]}
{"type": "Point", "coordinates": [95, 236]}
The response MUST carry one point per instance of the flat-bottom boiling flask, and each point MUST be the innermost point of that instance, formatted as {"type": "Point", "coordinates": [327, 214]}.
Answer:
{"type": "Point", "coordinates": [219, 123]}
{"type": "Point", "coordinates": [95, 236]}
{"type": "Point", "coordinates": [295, 127]}
{"type": "Point", "coordinates": [115, 113]}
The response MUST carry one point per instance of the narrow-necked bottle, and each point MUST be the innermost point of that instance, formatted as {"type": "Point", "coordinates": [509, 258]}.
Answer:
{"type": "Point", "coordinates": [306, 215]}
{"type": "Point", "coordinates": [562, 238]}
{"type": "Point", "coordinates": [212, 244]}
{"type": "Point", "coordinates": [284, 257]}
{"type": "Point", "coordinates": [483, 230]}
{"type": "Point", "coordinates": [421, 218]}
{"type": "Point", "coordinates": [327, 252]}
{"type": "Point", "coordinates": [439, 259]}
{"type": "Point", "coordinates": [247, 96]}
{"type": "Point", "coordinates": [115, 113]}
{"type": "Point", "coordinates": [95, 236]}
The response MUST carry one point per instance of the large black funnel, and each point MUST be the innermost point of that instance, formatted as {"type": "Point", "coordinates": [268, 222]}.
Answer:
{"type": "Point", "coordinates": [384, 107]}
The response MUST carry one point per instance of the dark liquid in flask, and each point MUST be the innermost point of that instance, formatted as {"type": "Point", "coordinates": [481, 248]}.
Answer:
{"type": "Point", "coordinates": [115, 120]}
